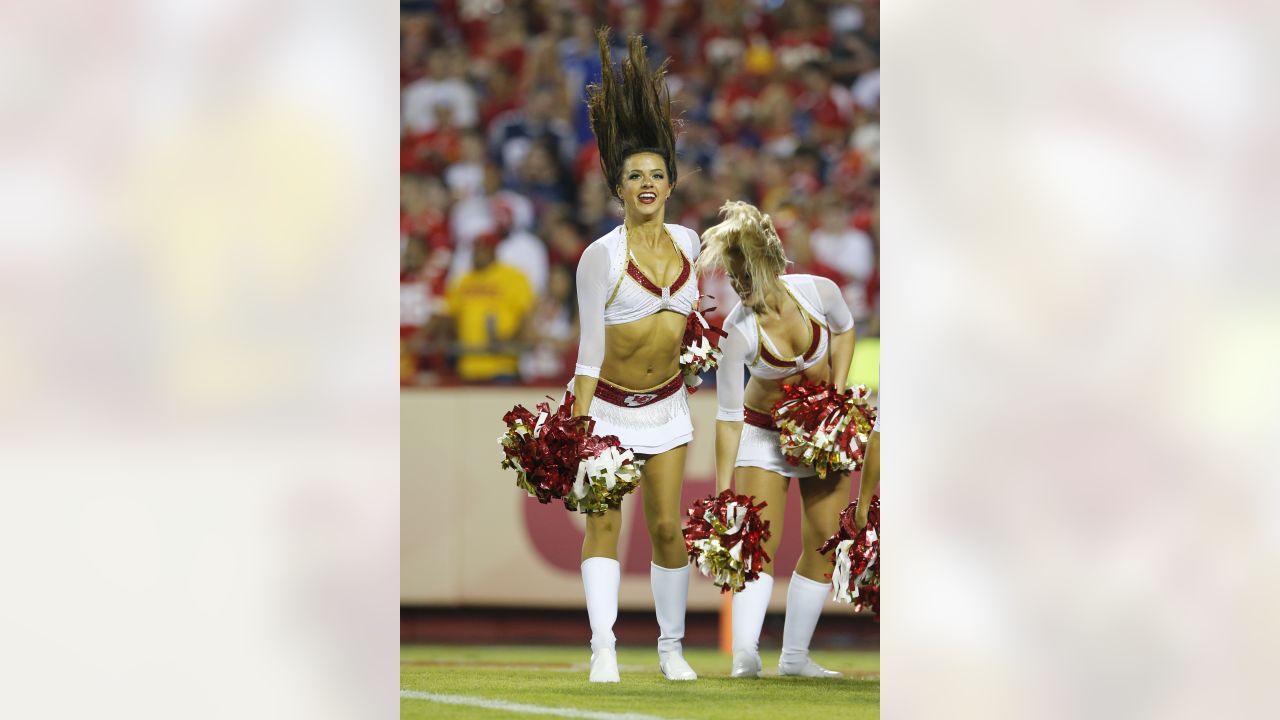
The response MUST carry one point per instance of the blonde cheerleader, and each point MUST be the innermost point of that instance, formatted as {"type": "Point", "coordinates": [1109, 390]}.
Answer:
{"type": "Point", "coordinates": [786, 328]}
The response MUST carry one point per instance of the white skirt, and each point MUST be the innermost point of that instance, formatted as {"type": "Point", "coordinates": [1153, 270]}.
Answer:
{"type": "Point", "coordinates": [759, 449]}
{"type": "Point", "coordinates": [649, 430]}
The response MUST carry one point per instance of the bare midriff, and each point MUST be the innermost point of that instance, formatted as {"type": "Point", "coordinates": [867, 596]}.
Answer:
{"type": "Point", "coordinates": [643, 353]}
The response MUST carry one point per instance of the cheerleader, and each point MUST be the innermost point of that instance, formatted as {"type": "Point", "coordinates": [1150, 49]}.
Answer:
{"type": "Point", "coordinates": [785, 328]}
{"type": "Point", "coordinates": [636, 286]}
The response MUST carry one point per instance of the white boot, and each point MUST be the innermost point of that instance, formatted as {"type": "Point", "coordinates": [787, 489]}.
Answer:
{"type": "Point", "coordinates": [604, 665]}
{"type": "Point", "coordinates": [749, 608]}
{"type": "Point", "coordinates": [805, 599]}
{"type": "Point", "coordinates": [670, 597]}
{"type": "Point", "coordinates": [600, 579]}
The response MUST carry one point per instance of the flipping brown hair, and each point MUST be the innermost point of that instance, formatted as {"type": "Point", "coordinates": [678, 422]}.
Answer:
{"type": "Point", "coordinates": [631, 114]}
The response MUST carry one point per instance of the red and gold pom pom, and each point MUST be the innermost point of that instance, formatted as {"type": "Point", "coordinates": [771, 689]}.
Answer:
{"type": "Point", "coordinates": [700, 350]}
{"type": "Point", "coordinates": [856, 577]}
{"type": "Point", "coordinates": [556, 457]}
{"type": "Point", "coordinates": [822, 428]}
{"type": "Point", "coordinates": [725, 538]}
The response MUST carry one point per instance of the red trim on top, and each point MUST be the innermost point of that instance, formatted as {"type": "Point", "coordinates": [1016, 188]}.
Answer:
{"type": "Point", "coordinates": [774, 360]}
{"type": "Point", "coordinates": [634, 271]}
{"type": "Point", "coordinates": [815, 330]}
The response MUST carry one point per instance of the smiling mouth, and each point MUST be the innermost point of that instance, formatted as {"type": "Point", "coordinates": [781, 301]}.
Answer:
{"type": "Point", "coordinates": [647, 198]}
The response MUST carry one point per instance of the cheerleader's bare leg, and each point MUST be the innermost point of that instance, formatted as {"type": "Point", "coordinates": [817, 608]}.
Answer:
{"type": "Point", "coordinates": [823, 500]}
{"type": "Point", "coordinates": [669, 572]}
{"type": "Point", "coordinates": [601, 576]}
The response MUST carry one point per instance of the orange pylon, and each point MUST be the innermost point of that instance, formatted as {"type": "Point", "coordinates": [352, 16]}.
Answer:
{"type": "Point", "coordinates": [726, 623]}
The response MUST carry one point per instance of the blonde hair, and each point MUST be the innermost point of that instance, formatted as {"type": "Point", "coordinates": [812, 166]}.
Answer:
{"type": "Point", "coordinates": [747, 231]}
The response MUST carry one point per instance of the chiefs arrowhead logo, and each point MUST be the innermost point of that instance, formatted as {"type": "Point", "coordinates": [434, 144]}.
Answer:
{"type": "Point", "coordinates": [639, 400]}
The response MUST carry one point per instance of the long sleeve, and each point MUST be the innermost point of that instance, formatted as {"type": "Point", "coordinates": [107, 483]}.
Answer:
{"type": "Point", "coordinates": [593, 282]}
{"type": "Point", "coordinates": [729, 376]}
{"type": "Point", "coordinates": [839, 319]}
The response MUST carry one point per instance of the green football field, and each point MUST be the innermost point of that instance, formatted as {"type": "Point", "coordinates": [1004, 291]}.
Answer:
{"type": "Point", "coordinates": [528, 681]}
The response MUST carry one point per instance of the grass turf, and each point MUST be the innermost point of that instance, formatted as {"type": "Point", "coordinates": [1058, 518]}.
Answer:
{"type": "Point", "coordinates": [557, 677]}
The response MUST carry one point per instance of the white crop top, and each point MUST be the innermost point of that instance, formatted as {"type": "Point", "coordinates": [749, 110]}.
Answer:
{"type": "Point", "coordinates": [747, 345]}
{"type": "Point", "coordinates": [612, 290]}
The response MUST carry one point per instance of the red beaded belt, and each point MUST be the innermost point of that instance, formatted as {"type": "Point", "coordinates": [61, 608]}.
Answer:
{"type": "Point", "coordinates": [625, 397]}
{"type": "Point", "coordinates": [759, 419]}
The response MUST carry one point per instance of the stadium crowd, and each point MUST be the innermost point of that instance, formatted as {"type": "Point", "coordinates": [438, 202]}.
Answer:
{"type": "Point", "coordinates": [501, 188]}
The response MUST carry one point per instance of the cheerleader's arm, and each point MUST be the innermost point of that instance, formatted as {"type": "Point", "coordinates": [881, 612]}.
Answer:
{"type": "Point", "coordinates": [728, 437]}
{"type": "Point", "coordinates": [869, 482]}
{"type": "Point", "coordinates": [729, 415]}
{"type": "Point", "coordinates": [843, 334]}
{"type": "Point", "coordinates": [842, 357]}
{"type": "Point", "coordinates": [593, 280]}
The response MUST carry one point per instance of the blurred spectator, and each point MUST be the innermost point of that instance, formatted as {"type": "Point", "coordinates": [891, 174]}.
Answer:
{"type": "Point", "coordinates": [803, 37]}
{"type": "Point", "coordinates": [415, 305]}
{"type": "Point", "coordinates": [444, 85]}
{"type": "Point", "coordinates": [514, 133]}
{"type": "Point", "coordinates": [847, 250]}
{"type": "Point", "coordinates": [430, 152]}
{"type": "Point", "coordinates": [489, 306]}
{"type": "Point", "coordinates": [426, 250]}
{"type": "Point", "coordinates": [566, 243]}
{"type": "Point", "coordinates": [721, 33]}
{"type": "Point", "coordinates": [772, 188]}
{"type": "Point", "coordinates": [496, 210]}
{"type": "Point", "coordinates": [580, 63]}
{"type": "Point", "coordinates": [543, 70]}
{"type": "Point", "coordinates": [507, 40]}
{"type": "Point", "coordinates": [597, 213]}
{"type": "Point", "coordinates": [797, 241]}
{"type": "Point", "coordinates": [523, 250]}
{"type": "Point", "coordinates": [727, 171]}
{"type": "Point", "coordinates": [869, 33]}
{"type": "Point", "coordinates": [501, 95]}
{"type": "Point", "coordinates": [424, 206]}
{"type": "Point", "coordinates": [552, 331]}
{"type": "Point", "coordinates": [826, 107]}
{"type": "Point", "coordinates": [866, 141]}
{"type": "Point", "coordinates": [415, 38]}
{"type": "Point", "coordinates": [866, 89]}
{"type": "Point", "coordinates": [633, 19]}
{"type": "Point", "coordinates": [773, 116]}
{"type": "Point", "coordinates": [540, 178]}
{"type": "Point", "coordinates": [855, 44]}
{"type": "Point", "coordinates": [806, 172]}
{"type": "Point", "coordinates": [845, 16]}
{"type": "Point", "coordinates": [466, 176]}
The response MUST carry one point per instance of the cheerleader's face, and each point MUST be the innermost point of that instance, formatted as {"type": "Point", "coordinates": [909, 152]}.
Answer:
{"type": "Point", "coordinates": [736, 269]}
{"type": "Point", "coordinates": [645, 186]}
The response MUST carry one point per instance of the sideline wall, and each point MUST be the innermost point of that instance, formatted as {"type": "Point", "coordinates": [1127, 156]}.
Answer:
{"type": "Point", "coordinates": [469, 537]}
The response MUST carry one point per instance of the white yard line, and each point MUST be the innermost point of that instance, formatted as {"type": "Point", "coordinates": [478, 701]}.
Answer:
{"type": "Point", "coordinates": [574, 668]}
{"type": "Point", "coordinates": [523, 708]}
